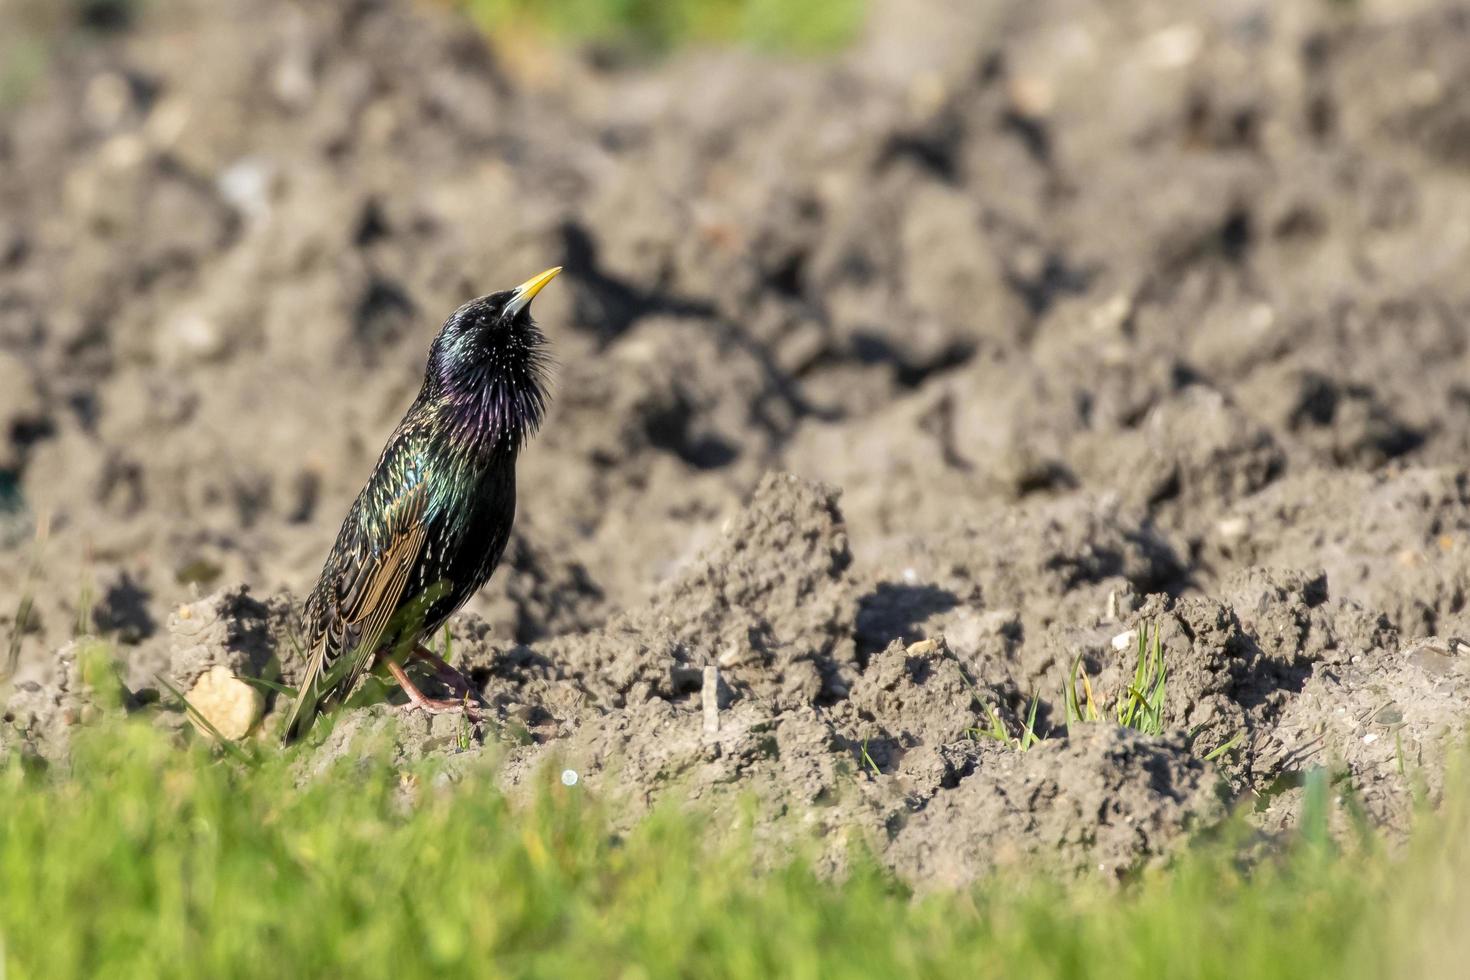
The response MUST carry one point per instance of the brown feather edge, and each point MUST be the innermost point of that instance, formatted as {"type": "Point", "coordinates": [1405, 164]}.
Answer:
{"type": "Point", "coordinates": [398, 561]}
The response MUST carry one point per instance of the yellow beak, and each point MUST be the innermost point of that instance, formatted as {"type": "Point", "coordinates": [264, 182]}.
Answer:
{"type": "Point", "coordinates": [527, 290]}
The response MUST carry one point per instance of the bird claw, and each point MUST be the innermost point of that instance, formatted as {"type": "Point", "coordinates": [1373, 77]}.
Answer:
{"type": "Point", "coordinates": [433, 706]}
{"type": "Point", "coordinates": [438, 706]}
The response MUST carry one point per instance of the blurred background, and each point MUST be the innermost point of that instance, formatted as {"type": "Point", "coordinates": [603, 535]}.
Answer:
{"type": "Point", "coordinates": [1005, 272]}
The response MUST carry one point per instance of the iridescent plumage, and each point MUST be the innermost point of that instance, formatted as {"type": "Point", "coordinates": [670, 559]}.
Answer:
{"type": "Point", "coordinates": [433, 520]}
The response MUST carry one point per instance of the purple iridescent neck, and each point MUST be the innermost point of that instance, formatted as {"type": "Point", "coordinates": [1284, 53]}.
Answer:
{"type": "Point", "coordinates": [490, 411]}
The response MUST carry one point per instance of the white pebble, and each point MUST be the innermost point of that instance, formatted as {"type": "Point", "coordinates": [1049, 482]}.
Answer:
{"type": "Point", "coordinates": [246, 185]}
{"type": "Point", "coordinates": [1172, 47]}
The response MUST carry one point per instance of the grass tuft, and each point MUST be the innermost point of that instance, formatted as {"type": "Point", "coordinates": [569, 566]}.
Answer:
{"type": "Point", "coordinates": [26, 605]}
{"type": "Point", "coordinates": [812, 27]}
{"type": "Point", "coordinates": [1141, 705]}
{"type": "Point", "coordinates": [1082, 707]}
{"type": "Point", "coordinates": [1225, 747]}
{"type": "Point", "coordinates": [996, 728]}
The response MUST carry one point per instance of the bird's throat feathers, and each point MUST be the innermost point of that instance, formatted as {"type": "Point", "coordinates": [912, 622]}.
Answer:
{"type": "Point", "coordinates": [482, 411]}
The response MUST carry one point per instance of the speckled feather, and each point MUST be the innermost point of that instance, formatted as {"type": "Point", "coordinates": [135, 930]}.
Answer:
{"type": "Point", "coordinates": [430, 526]}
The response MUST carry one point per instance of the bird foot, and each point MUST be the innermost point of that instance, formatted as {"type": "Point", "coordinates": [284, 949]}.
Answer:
{"type": "Point", "coordinates": [435, 706]}
{"type": "Point", "coordinates": [452, 678]}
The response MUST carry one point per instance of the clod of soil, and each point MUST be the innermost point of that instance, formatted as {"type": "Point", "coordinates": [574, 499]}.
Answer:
{"type": "Point", "coordinates": [1105, 797]}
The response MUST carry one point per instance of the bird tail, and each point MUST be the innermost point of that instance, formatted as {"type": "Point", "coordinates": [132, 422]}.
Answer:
{"type": "Point", "coordinates": [308, 696]}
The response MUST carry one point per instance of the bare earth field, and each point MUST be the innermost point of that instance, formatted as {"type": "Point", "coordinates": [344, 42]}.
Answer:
{"type": "Point", "coordinates": [889, 384]}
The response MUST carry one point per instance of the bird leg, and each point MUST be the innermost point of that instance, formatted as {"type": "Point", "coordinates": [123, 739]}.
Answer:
{"type": "Point", "coordinates": [423, 702]}
{"type": "Point", "coordinates": [444, 671]}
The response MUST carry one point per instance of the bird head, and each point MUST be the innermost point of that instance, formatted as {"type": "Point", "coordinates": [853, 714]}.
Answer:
{"type": "Point", "coordinates": [488, 365]}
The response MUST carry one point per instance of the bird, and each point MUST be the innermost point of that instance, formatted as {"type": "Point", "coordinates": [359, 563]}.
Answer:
{"type": "Point", "coordinates": [429, 527]}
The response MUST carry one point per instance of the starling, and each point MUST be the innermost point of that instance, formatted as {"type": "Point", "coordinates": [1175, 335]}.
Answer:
{"type": "Point", "coordinates": [430, 526]}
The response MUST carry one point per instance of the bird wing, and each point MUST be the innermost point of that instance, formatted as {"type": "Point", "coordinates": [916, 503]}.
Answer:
{"type": "Point", "coordinates": [354, 605]}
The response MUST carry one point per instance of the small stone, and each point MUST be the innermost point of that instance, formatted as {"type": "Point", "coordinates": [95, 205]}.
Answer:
{"type": "Point", "coordinates": [971, 630]}
{"type": "Point", "coordinates": [1389, 716]}
{"type": "Point", "coordinates": [190, 336]}
{"type": "Point", "coordinates": [246, 184]}
{"type": "Point", "coordinates": [1232, 530]}
{"type": "Point", "coordinates": [1435, 663]}
{"type": "Point", "coordinates": [227, 703]}
{"type": "Point", "coordinates": [709, 695]}
{"type": "Point", "coordinates": [924, 647]}
{"type": "Point", "coordinates": [293, 79]}
{"type": "Point", "coordinates": [166, 123]}
{"type": "Point", "coordinates": [1261, 317]}
{"type": "Point", "coordinates": [1113, 313]}
{"type": "Point", "coordinates": [124, 152]}
{"type": "Point", "coordinates": [1172, 47]}
{"type": "Point", "coordinates": [1031, 97]}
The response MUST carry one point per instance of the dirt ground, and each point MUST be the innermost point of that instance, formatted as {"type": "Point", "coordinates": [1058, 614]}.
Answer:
{"type": "Point", "coordinates": [889, 384]}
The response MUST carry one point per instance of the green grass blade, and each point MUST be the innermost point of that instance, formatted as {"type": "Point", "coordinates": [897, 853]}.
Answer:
{"type": "Point", "coordinates": [271, 686]}
{"type": "Point", "coordinates": [1028, 734]}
